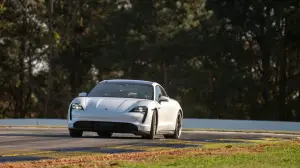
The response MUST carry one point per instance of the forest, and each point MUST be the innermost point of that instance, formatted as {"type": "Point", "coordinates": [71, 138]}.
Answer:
{"type": "Point", "coordinates": [226, 59]}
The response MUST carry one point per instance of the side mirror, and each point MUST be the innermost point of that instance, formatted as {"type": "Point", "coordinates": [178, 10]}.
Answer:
{"type": "Point", "coordinates": [82, 94]}
{"type": "Point", "coordinates": [163, 99]}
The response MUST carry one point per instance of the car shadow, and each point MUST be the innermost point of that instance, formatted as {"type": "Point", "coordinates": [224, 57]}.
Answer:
{"type": "Point", "coordinates": [21, 158]}
{"type": "Point", "coordinates": [67, 136]}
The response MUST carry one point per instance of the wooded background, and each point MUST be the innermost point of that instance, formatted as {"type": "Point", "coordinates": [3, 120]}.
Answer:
{"type": "Point", "coordinates": [229, 59]}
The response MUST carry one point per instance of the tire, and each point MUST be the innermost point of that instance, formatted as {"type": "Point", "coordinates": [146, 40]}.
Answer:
{"type": "Point", "coordinates": [75, 133]}
{"type": "Point", "coordinates": [105, 134]}
{"type": "Point", "coordinates": [153, 127]}
{"type": "Point", "coordinates": [178, 129]}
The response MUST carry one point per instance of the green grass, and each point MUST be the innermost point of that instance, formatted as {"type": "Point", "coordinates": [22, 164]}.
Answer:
{"type": "Point", "coordinates": [286, 156]}
{"type": "Point", "coordinates": [277, 154]}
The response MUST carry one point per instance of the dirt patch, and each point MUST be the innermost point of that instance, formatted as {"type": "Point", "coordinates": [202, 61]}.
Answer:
{"type": "Point", "coordinates": [85, 161]}
{"type": "Point", "coordinates": [296, 141]}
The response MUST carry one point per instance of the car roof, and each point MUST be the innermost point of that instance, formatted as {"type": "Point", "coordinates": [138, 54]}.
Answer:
{"type": "Point", "coordinates": [130, 81]}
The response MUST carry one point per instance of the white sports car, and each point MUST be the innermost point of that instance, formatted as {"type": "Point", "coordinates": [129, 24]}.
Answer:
{"type": "Point", "coordinates": [126, 106]}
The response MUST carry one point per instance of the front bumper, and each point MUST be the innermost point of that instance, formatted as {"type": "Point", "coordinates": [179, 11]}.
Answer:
{"type": "Point", "coordinates": [127, 123]}
{"type": "Point", "coordinates": [116, 127]}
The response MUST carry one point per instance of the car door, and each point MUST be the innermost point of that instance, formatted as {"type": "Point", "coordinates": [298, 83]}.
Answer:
{"type": "Point", "coordinates": [170, 110]}
{"type": "Point", "coordinates": [163, 110]}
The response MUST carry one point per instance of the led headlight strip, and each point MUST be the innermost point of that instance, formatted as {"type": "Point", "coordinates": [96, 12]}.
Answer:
{"type": "Point", "coordinates": [140, 109]}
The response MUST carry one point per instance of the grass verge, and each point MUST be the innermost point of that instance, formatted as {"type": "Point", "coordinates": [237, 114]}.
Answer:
{"type": "Point", "coordinates": [282, 154]}
{"type": "Point", "coordinates": [270, 156]}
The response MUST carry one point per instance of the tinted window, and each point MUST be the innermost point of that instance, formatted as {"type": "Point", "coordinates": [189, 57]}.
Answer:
{"type": "Point", "coordinates": [163, 92]}
{"type": "Point", "coordinates": [123, 90]}
{"type": "Point", "coordinates": [157, 92]}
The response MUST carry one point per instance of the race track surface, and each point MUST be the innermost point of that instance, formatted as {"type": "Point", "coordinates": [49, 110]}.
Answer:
{"type": "Point", "coordinates": [15, 141]}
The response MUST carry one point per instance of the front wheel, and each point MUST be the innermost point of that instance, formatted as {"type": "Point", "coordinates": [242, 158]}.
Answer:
{"type": "Point", "coordinates": [153, 127]}
{"type": "Point", "coordinates": [178, 129]}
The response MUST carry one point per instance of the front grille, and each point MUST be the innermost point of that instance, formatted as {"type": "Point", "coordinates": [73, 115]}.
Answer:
{"type": "Point", "coordinates": [105, 126]}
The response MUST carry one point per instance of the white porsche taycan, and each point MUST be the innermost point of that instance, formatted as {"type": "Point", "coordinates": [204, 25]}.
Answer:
{"type": "Point", "coordinates": [126, 106]}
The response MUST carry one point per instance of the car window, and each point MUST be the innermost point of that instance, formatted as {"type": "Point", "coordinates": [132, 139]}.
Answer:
{"type": "Point", "coordinates": [123, 90]}
{"type": "Point", "coordinates": [163, 91]}
{"type": "Point", "coordinates": [157, 92]}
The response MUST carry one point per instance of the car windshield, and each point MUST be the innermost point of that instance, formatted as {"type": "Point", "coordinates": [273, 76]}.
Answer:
{"type": "Point", "coordinates": [123, 90]}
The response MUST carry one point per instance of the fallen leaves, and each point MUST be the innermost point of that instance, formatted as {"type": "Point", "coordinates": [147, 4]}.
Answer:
{"type": "Point", "coordinates": [111, 159]}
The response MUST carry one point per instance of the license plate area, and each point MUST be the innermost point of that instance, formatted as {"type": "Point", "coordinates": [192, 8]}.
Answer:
{"type": "Point", "coordinates": [104, 126]}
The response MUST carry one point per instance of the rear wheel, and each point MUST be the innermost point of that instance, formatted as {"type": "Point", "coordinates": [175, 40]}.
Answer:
{"type": "Point", "coordinates": [153, 127]}
{"type": "Point", "coordinates": [75, 133]}
{"type": "Point", "coordinates": [105, 134]}
{"type": "Point", "coordinates": [178, 129]}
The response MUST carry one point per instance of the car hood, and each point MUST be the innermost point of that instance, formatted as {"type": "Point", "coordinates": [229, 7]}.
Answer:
{"type": "Point", "coordinates": [108, 104]}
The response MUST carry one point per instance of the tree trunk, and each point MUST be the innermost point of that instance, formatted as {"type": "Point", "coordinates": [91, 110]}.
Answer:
{"type": "Point", "coordinates": [29, 92]}
{"type": "Point", "coordinates": [24, 50]}
{"type": "Point", "coordinates": [20, 93]}
{"type": "Point", "coordinates": [266, 56]}
{"type": "Point", "coordinates": [282, 87]}
{"type": "Point", "coordinates": [50, 60]}
{"type": "Point", "coordinates": [283, 82]}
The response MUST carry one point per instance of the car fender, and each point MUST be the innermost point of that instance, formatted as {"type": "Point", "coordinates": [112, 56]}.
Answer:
{"type": "Point", "coordinates": [151, 105]}
{"type": "Point", "coordinates": [177, 109]}
{"type": "Point", "coordinates": [80, 100]}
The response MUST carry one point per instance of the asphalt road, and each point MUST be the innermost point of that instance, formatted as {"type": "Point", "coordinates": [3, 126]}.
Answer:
{"type": "Point", "coordinates": [14, 139]}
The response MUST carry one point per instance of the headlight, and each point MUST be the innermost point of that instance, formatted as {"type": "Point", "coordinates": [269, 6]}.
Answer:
{"type": "Point", "coordinates": [76, 106]}
{"type": "Point", "coordinates": [140, 109]}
